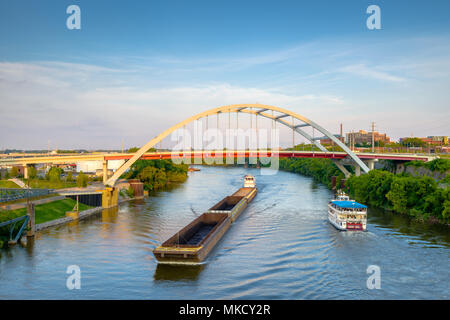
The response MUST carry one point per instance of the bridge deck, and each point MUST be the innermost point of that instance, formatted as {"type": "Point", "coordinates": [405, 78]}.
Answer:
{"type": "Point", "coordinates": [64, 159]}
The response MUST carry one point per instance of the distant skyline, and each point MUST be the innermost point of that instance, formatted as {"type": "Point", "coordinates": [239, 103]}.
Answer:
{"type": "Point", "coordinates": [138, 67]}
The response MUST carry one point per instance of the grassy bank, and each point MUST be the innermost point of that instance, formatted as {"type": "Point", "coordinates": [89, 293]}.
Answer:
{"type": "Point", "coordinates": [43, 213]}
{"type": "Point", "coordinates": [8, 184]}
{"type": "Point", "coordinates": [47, 184]}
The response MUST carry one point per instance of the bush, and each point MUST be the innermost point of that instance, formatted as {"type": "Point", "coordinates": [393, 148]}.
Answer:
{"type": "Point", "coordinates": [54, 174]}
{"type": "Point", "coordinates": [32, 172]}
{"type": "Point", "coordinates": [82, 180]}
{"type": "Point", "coordinates": [130, 192]}
{"type": "Point", "coordinates": [14, 172]}
{"type": "Point", "coordinates": [417, 197]}
{"type": "Point", "coordinates": [156, 174]}
{"type": "Point", "coordinates": [440, 165]}
{"type": "Point", "coordinates": [320, 169]}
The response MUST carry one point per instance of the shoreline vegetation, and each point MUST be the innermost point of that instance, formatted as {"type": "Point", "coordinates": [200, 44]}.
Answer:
{"type": "Point", "coordinates": [419, 197]}
{"type": "Point", "coordinates": [157, 174]}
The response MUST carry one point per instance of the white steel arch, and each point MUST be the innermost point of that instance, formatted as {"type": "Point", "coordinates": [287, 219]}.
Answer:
{"type": "Point", "coordinates": [249, 109]}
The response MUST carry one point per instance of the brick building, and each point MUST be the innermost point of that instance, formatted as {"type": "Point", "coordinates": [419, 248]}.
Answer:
{"type": "Point", "coordinates": [364, 137]}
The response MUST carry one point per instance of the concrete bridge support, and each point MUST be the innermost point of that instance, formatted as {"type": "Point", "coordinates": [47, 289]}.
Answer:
{"type": "Point", "coordinates": [105, 171]}
{"type": "Point", "coordinates": [357, 171]}
{"type": "Point", "coordinates": [341, 167]}
{"type": "Point", "coordinates": [31, 221]}
{"type": "Point", "coordinates": [371, 163]}
{"type": "Point", "coordinates": [110, 197]}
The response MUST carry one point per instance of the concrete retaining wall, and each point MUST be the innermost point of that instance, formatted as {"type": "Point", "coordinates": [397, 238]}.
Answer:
{"type": "Point", "coordinates": [82, 214]}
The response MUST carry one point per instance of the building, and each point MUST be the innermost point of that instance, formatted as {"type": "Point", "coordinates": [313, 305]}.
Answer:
{"type": "Point", "coordinates": [325, 141]}
{"type": "Point", "coordinates": [328, 142]}
{"type": "Point", "coordinates": [442, 139]}
{"type": "Point", "coordinates": [364, 137]}
{"type": "Point", "coordinates": [430, 140]}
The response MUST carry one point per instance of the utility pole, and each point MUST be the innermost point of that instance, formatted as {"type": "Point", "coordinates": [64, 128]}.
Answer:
{"type": "Point", "coordinates": [373, 137]}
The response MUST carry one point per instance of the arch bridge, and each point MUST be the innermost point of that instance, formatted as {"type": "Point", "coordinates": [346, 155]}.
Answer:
{"type": "Point", "coordinates": [297, 124]}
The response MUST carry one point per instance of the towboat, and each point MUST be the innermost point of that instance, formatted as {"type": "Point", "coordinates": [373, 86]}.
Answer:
{"type": "Point", "coordinates": [346, 214]}
{"type": "Point", "coordinates": [193, 243]}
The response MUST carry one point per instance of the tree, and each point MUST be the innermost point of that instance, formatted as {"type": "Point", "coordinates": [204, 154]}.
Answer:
{"type": "Point", "coordinates": [69, 177]}
{"type": "Point", "coordinates": [82, 180]}
{"type": "Point", "coordinates": [413, 142]}
{"type": "Point", "coordinates": [32, 172]}
{"type": "Point", "coordinates": [54, 174]}
{"type": "Point", "coordinates": [14, 172]}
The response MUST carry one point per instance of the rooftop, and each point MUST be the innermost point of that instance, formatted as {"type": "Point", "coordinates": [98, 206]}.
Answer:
{"type": "Point", "coordinates": [349, 204]}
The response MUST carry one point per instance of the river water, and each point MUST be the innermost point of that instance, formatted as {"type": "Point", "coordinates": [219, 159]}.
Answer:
{"type": "Point", "coordinates": [281, 247]}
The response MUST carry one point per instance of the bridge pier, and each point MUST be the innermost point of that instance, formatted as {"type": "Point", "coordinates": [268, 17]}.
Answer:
{"type": "Point", "coordinates": [357, 170]}
{"type": "Point", "coordinates": [341, 167]}
{"type": "Point", "coordinates": [25, 172]}
{"type": "Point", "coordinates": [371, 163]}
{"type": "Point", "coordinates": [105, 171]}
{"type": "Point", "coordinates": [31, 223]}
{"type": "Point", "coordinates": [110, 197]}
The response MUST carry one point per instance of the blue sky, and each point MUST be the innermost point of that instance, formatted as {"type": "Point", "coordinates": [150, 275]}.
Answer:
{"type": "Point", "coordinates": [137, 67]}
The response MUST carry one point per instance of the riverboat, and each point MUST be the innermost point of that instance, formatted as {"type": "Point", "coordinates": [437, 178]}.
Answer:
{"type": "Point", "coordinates": [193, 243]}
{"type": "Point", "coordinates": [346, 214]}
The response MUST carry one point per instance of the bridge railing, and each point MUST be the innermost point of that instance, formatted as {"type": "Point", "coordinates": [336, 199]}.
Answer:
{"type": "Point", "coordinates": [11, 194]}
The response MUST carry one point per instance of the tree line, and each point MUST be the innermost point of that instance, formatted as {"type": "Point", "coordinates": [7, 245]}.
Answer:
{"type": "Point", "coordinates": [419, 197]}
{"type": "Point", "coordinates": [156, 174]}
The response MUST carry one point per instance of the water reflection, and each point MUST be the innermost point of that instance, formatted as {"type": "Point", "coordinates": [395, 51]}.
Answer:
{"type": "Point", "coordinates": [177, 272]}
{"type": "Point", "coordinates": [431, 233]}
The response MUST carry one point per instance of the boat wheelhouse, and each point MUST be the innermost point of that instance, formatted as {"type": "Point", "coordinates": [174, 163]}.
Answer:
{"type": "Point", "coordinates": [346, 214]}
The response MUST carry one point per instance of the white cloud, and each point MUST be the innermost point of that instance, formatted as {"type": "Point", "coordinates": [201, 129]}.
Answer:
{"type": "Point", "coordinates": [368, 72]}
{"type": "Point", "coordinates": [58, 105]}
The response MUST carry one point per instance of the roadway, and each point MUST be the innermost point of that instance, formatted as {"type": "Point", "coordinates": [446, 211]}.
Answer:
{"type": "Point", "coordinates": [73, 158]}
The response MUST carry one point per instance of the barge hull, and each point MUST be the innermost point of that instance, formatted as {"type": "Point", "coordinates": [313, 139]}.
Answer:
{"type": "Point", "coordinates": [193, 243]}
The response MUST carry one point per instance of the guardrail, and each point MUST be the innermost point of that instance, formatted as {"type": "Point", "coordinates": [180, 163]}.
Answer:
{"type": "Point", "coordinates": [11, 194]}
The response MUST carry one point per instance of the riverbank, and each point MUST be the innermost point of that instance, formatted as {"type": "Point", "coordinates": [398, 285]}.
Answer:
{"type": "Point", "coordinates": [50, 213]}
{"type": "Point", "coordinates": [157, 174]}
{"type": "Point", "coordinates": [419, 197]}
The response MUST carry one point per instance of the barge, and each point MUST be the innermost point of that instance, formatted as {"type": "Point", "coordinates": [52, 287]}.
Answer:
{"type": "Point", "coordinates": [193, 243]}
{"type": "Point", "coordinates": [347, 215]}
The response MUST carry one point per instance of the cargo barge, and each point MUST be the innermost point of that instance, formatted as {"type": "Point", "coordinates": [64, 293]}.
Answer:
{"type": "Point", "coordinates": [193, 243]}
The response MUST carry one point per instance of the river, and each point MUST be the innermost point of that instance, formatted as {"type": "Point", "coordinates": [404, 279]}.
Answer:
{"type": "Point", "coordinates": [281, 247]}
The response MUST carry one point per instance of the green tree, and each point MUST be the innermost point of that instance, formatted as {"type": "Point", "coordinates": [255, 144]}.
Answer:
{"type": "Point", "coordinates": [413, 142]}
{"type": "Point", "coordinates": [32, 172]}
{"type": "Point", "coordinates": [446, 205]}
{"type": "Point", "coordinates": [14, 172]}
{"type": "Point", "coordinates": [54, 174]}
{"type": "Point", "coordinates": [69, 177]}
{"type": "Point", "coordinates": [82, 180]}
